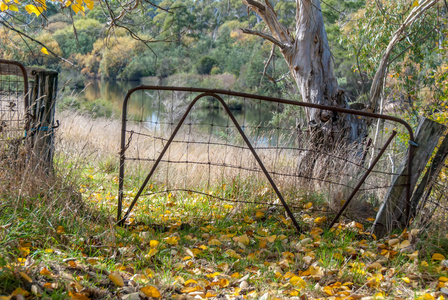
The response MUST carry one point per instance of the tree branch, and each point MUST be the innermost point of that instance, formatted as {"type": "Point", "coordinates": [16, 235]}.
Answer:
{"type": "Point", "coordinates": [34, 40]}
{"type": "Point", "coordinates": [269, 16]}
{"type": "Point", "coordinates": [264, 35]}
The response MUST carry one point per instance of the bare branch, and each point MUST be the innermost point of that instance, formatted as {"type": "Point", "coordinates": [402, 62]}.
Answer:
{"type": "Point", "coordinates": [265, 36]}
{"type": "Point", "coordinates": [269, 16]}
{"type": "Point", "coordinates": [271, 56]}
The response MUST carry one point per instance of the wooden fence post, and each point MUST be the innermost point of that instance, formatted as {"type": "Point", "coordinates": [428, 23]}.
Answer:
{"type": "Point", "coordinates": [392, 211]}
{"type": "Point", "coordinates": [41, 111]}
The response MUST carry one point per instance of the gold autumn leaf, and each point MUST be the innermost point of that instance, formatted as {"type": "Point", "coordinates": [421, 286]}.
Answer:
{"type": "Point", "coordinates": [214, 242]}
{"type": "Point", "coordinates": [191, 289]}
{"type": "Point", "coordinates": [77, 296]}
{"type": "Point", "coordinates": [393, 242]}
{"type": "Point", "coordinates": [44, 51]}
{"type": "Point", "coordinates": [151, 253]}
{"type": "Point", "coordinates": [223, 282]}
{"type": "Point", "coordinates": [151, 291]}
{"type": "Point", "coordinates": [415, 3]}
{"type": "Point", "coordinates": [116, 279]}
{"type": "Point", "coordinates": [406, 279]}
{"type": "Point", "coordinates": [404, 244]}
{"type": "Point", "coordinates": [46, 272]}
{"type": "Point", "coordinates": [243, 239]}
{"type": "Point", "coordinates": [153, 243]}
{"type": "Point", "coordinates": [20, 291]}
{"type": "Point", "coordinates": [172, 240]}
{"type": "Point", "coordinates": [297, 282]}
{"type": "Point", "coordinates": [259, 214]}
{"type": "Point", "coordinates": [232, 253]}
{"type": "Point", "coordinates": [26, 277]}
{"type": "Point", "coordinates": [438, 256]}
{"type": "Point", "coordinates": [271, 238]}
{"type": "Point", "coordinates": [60, 229]}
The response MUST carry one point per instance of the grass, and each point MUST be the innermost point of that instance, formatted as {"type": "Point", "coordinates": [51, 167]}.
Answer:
{"type": "Point", "coordinates": [58, 238]}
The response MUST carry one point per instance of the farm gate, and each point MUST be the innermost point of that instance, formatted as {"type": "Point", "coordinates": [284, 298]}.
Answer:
{"type": "Point", "coordinates": [27, 106]}
{"type": "Point", "coordinates": [215, 142]}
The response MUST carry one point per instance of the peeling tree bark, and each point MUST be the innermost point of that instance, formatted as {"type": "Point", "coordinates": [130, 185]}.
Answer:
{"type": "Point", "coordinates": [308, 56]}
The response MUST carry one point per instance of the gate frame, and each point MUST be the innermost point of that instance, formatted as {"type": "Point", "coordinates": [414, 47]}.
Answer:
{"type": "Point", "coordinates": [216, 94]}
{"type": "Point", "coordinates": [25, 81]}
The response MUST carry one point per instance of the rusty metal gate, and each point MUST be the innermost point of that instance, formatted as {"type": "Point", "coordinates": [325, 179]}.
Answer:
{"type": "Point", "coordinates": [27, 105]}
{"type": "Point", "coordinates": [13, 101]}
{"type": "Point", "coordinates": [192, 139]}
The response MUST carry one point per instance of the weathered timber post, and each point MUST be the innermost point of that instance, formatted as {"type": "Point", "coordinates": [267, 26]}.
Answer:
{"type": "Point", "coordinates": [392, 213]}
{"type": "Point", "coordinates": [424, 188]}
{"type": "Point", "coordinates": [39, 135]}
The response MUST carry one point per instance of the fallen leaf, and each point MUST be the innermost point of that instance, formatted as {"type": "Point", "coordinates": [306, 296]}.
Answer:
{"type": "Point", "coordinates": [60, 230]}
{"type": "Point", "coordinates": [151, 291]}
{"type": "Point", "coordinates": [438, 256]}
{"type": "Point", "coordinates": [116, 279]}
{"type": "Point", "coordinates": [26, 277]}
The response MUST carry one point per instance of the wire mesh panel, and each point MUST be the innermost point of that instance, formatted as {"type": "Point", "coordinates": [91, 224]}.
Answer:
{"type": "Point", "coordinates": [13, 106]}
{"type": "Point", "coordinates": [238, 147]}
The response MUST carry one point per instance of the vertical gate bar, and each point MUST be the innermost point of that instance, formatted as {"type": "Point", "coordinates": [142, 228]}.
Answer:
{"type": "Point", "coordinates": [361, 181]}
{"type": "Point", "coordinates": [122, 151]}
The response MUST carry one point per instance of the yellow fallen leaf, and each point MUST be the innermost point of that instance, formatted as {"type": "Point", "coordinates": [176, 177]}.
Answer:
{"type": "Point", "coordinates": [20, 291]}
{"type": "Point", "coordinates": [271, 238]}
{"type": "Point", "coordinates": [297, 282]}
{"type": "Point", "coordinates": [259, 214]}
{"type": "Point", "coordinates": [415, 3]}
{"type": "Point", "coordinates": [426, 297]}
{"type": "Point", "coordinates": [153, 243]}
{"type": "Point", "coordinates": [244, 239]}
{"type": "Point", "coordinates": [26, 277]}
{"type": "Point", "coordinates": [214, 242]}
{"type": "Point", "coordinates": [190, 282]}
{"type": "Point", "coordinates": [191, 289]}
{"type": "Point", "coordinates": [46, 272]}
{"type": "Point", "coordinates": [77, 296]}
{"type": "Point", "coordinates": [404, 244]}
{"type": "Point", "coordinates": [438, 256]}
{"type": "Point", "coordinates": [393, 242]}
{"type": "Point", "coordinates": [60, 229]}
{"type": "Point", "coordinates": [72, 264]}
{"type": "Point", "coordinates": [374, 266]}
{"type": "Point", "coordinates": [116, 279]}
{"type": "Point", "coordinates": [44, 50]}
{"type": "Point", "coordinates": [151, 253]}
{"type": "Point", "coordinates": [223, 282]}
{"type": "Point", "coordinates": [151, 291]}
{"type": "Point", "coordinates": [213, 275]}
{"type": "Point", "coordinates": [50, 285]}
{"type": "Point", "coordinates": [172, 240]}
{"type": "Point", "coordinates": [406, 279]}
{"type": "Point", "coordinates": [443, 279]}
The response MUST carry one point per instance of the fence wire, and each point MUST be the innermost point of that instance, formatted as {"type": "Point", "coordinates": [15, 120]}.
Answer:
{"type": "Point", "coordinates": [208, 155]}
{"type": "Point", "coordinates": [13, 105]}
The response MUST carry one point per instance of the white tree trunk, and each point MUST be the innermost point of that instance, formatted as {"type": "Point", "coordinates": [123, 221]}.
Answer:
{"type": "Point", "coordinates": [308, 56]}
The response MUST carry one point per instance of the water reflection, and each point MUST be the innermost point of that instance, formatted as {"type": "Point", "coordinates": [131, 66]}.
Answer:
{"type": "Point", "coordinates": [161, 110]}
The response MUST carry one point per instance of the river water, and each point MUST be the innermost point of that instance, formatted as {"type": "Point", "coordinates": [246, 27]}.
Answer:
{"type": "Point", "coordinates": [145, 108]}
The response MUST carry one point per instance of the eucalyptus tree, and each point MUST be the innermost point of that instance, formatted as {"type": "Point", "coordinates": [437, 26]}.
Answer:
{"type": "Point", "coordinates": [306, 50]}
